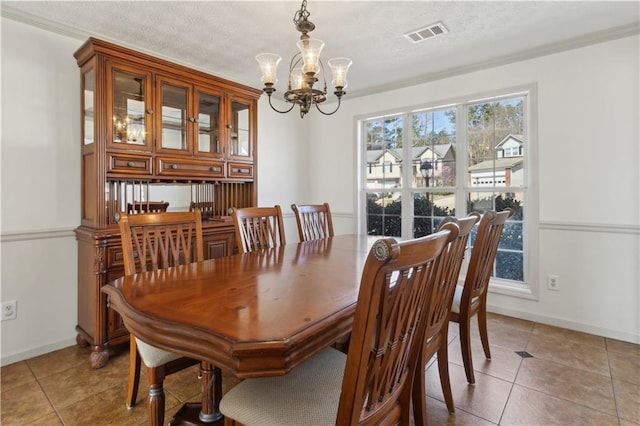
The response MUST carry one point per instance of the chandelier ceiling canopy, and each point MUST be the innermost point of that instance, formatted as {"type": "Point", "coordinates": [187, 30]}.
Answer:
{"type": "Point", "coordinates": [305, 70]}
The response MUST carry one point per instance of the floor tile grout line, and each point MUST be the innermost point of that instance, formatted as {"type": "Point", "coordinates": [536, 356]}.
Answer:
{"type": "Point", "coordinates": [44, 392]}
{"type": "Point", "coordinates": [617, 414]}
{"type": "Point", "coordinates": [613, 387]}
{"type": "Point", "coordinates": [556, 396]}
{"type": "Point", "coordinates": [513, 383]}
{"type": "Point", "coordinates": [568, 400]}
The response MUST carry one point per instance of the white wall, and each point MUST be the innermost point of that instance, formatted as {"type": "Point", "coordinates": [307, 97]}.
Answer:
{"type": "Point", "coordinates": [40, 189]}
{"type": "Point", "coordinates": [589, 187]}
{"type": "Point", "coordinates": [588, 108]}
{"type": "Point", "coordinates": [282, 161]}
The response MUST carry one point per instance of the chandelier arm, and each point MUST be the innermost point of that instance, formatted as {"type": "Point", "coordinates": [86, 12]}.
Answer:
{"type": "Point", "coordinates": [295, 60]}
{"type": "Point", "coordinates": [329, 113]}
{"type": "Point", "coordinates": [324, 76]}
{"type": "Point", "coordinates": [277, 110]}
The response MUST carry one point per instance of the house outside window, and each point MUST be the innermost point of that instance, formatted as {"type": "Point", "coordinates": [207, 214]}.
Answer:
{"type": "Point", "coordinates": [452, 160]}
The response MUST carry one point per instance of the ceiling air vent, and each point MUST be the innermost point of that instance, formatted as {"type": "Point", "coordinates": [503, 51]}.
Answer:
{"type": "Point", "coordinates": [429, 31]}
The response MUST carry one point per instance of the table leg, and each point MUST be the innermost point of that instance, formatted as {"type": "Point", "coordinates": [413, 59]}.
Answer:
{"type": "Point", "coordinates": [211, 393]}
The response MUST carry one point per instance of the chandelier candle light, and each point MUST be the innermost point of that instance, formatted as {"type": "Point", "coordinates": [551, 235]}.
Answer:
{"type": "Point", "coordinates": [304, 70]}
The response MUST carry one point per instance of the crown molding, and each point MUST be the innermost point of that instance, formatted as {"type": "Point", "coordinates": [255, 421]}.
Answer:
{"type": "Point", "coordinates": [575, 43]}
{"type": "Point", "coordinates": [82, 35]}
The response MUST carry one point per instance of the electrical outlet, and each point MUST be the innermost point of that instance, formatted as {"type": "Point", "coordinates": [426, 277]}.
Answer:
{"type": "Point", "coordinates": [9, 310]}
{"type": "Point", "coordinates": [553, 282]}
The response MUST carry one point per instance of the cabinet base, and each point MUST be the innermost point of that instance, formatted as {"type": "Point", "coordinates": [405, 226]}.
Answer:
{"type": "Point", "coordinates": [98, 358]}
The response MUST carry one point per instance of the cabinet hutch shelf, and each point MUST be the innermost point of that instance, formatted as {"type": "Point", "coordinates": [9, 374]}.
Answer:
{"type": "Point", "coordinates": [153, 129]}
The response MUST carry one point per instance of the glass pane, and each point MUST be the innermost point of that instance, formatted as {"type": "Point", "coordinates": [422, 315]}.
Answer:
{"type": "Point", "coordinates": [384, 212]}
{"type": "Point", "coordinates": [433, 153]}
{"type": "Point", "coordinates": [240, 129]}
{"type": "Point", "coordinates": [174, 117]}
{"type": "Point", "coordinates": [496, 143]}
{"type": "Point", "coordinates": [429, 209]}
{"type": "Point", "coordinates": [509, 260]}
{"type": "Point", "coordinates": [384, 153]}
{"type": "Point", "coordinates": [128, 108]}
{"type": "Point", "coordinates": [483, 201]}
{"type": "Point", "coordinates": [87, 99]}
{"type": "Point", "coordinates": [208, 123]}
{"type": "Point", "coordinates": [509, 265]}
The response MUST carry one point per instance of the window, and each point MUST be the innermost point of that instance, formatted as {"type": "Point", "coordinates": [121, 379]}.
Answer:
{"type": "Point", "coordinates": [450, 160]}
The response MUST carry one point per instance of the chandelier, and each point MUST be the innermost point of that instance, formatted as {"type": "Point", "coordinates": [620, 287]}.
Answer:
{"type": "Point", "coordinates": [305, 69]}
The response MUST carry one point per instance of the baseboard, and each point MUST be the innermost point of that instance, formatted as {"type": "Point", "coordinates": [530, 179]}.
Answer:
{"type": "Point", "coordinates": [563, 323]}
{"type": "Point", "coordinates": [40, 350]}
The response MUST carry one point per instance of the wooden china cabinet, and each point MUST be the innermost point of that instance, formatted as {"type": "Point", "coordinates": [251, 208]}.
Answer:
{"type": "Point", "coordinates": [151, 127]}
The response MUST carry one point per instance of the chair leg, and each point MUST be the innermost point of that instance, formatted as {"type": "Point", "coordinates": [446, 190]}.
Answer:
{"type": "Point", "coordinates": [419, 394]}
{"type": "Point", "coordinates": [134, 373]}
{"type": "Point", "coordinates": [443, 369]}
{"type": "Point", "coordinates": [465, 346]}
{"type": "Point", "coordinates": [155, 404]}
{"type": "Point", "coordinates": [482, 325]}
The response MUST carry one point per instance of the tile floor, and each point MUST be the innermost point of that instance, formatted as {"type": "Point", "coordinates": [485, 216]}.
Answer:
{"type": "Point", "coordinates": [571, 379]}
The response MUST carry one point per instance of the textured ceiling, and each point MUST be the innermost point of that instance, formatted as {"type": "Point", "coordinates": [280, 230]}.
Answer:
{"type": "Point", "coordinates": [223, 37]}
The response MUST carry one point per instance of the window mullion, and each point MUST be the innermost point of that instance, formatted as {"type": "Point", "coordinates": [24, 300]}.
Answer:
{"type": "Point", "coordinates": [407, 178]}
{"type": "Point", "coordinates": [461, 160]}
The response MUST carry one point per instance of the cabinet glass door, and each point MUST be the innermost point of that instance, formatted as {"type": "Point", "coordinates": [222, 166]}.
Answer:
{"type": "Point", "coordinates": [129, 108]}
{"type": "Point", "coordinates": [240, 119]}
{"type": "Point", "coordinates": [174, 116]}
{"type": "Point", "coordinates": [88, 108]}
{"type": "Point", "coordinates": [208, 123]}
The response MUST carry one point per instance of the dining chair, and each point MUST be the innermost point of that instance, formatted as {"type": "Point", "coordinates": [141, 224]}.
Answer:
{"type": "Point", "coordinates": [372, 383]}
{"type": "Point", "coordinates": [470, 298]}
{"type": "Point", "coordinates": [313, 220]}
{"type": "Point", "coordinates": [147, 207]}
{"type": "Point", "coordinates": [153, 241]}
{"type": "Point", "coordinates": [258, 228]}
{"type": "Point", "coordinates": [437, 328]}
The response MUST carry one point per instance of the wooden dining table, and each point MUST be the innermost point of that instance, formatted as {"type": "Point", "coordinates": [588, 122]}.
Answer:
{"type": "Point", "coordinates": [251, 315]}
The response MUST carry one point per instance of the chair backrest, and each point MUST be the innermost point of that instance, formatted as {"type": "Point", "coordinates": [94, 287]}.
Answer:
{"type": "Point", "coordinates": [258, 228]}
{"type": "Point", "coordinates": [483, 255]}
{"type": "Point", "coordinates": [147, 207]}
{"type": "Point", "coordinates": [160, 240]}
{"type": "Point", "coordinates": [388, 329]}
{"type": "Point", "coordinates": [314, 221]}
{"type": "Point", "coordinates": [206, 208]}
{"type": "Point", "coordinates": [449, 266]}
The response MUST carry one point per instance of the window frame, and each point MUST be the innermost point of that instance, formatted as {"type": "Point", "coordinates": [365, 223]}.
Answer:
{"type": "Point", "coordinates": [530, 287]}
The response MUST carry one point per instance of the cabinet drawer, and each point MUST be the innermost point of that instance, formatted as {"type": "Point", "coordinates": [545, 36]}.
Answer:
{"type": "Point", "coordinates": [240, 170]}
{"type": "Point", "coordinates": [127, 164]}
{"type": "Point", "coordinates": [115, 258]}
{"type": "Point", "coordinates": [181, 167]}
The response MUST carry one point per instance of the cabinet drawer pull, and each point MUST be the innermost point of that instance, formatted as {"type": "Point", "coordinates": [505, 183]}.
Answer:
{"type": "Point", "coordinates": [130, 164]}
{"type": "Point", "coordinates": [243, 171]}
{"type": "Point", "coordinates": [174, 167]}
{"type": "Point", "coordinates": [216, 169]}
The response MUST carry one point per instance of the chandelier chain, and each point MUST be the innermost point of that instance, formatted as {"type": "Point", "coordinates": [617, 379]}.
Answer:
{"type": "Point", "coordinates": [302, 14]}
